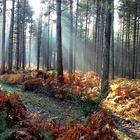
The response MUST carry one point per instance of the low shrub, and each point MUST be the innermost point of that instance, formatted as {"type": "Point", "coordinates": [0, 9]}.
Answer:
{"type": "Point", "coordinates": [32, 84]}
{"type": "Point", "coordinates": [87, 106]}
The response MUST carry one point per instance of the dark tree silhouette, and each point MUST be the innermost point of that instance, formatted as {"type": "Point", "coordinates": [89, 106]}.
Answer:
{"type": "Point", "coordinates": [39, 40]}
{"type": "Point", "coordinates": [10, 45]}
{"type": "Point", "coordinates": [59, 39]}
{"type": "Point", "coordinates": [18, 35]}
{"type": "Point", "coordinates": [106, 51]}
{"type": "Point", "coordinates": [3, 36]}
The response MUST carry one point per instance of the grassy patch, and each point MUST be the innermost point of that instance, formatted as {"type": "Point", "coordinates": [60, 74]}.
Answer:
{"type": "Point", "coordinates": [4, 129]}
{"type": "Point", "coordinates": [87, 106]}
{"type": "Point", "coordinates": [45, 135]}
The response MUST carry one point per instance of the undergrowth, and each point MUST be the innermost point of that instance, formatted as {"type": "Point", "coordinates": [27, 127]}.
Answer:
{"type": "Point", "coordinates": [45, 135]}
{"type": "Point", "coordinates": [17, 125]}
{"type": "Point", "coordinates": [87, 106]}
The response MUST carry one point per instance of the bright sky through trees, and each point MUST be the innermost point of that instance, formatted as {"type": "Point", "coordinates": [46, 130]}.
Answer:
{"type": "Point", "coordinates": [116, 22]}
{"type": "Point", "coordinates": [36, 8]}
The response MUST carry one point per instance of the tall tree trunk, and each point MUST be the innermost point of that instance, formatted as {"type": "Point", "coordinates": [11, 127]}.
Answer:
{"type": "Point", "coordinates": [112, 42]}
{"type": "Point", "coordinates": [117, 59]}
{"type": "Point", "coordinates": [122, 49]}
{"type": "Point", "coordinates": [24, 36]}
{"type": "Point", "coordinates": [48, 44]}
{"type": "Point", "coordinates": [106, 51]}
{"type": "Point", "coordinates": [59, 39]}
{"type": "Point", "coordinates": [134, 46]}
{"type": "Point", "coordinates": [10, 46]}
{"type": "Point", "coordinates": [39, 40]}
{"type": "Point", "coordinates": [24, 49]}
{"type": "Point", "coordinates": [129, 55]}
{"type": "Point", "coordinates": [3, 36]}
{"type": "Point", "coordinates": [85, 43]}
{"type": "Point", "coordinates": [18, 35]}
{"type": "Point", "coordinates": [100, 53]}
{"type": "Point", "coordinates": [125, 51]}
{"type": "Point", "coordinates": [137, 49]}
{"type": "Point", "coordinates": [98, 2]}
{"type": "Point", "coordinates": [75, 36]}
{"type": "Point", "coordinates": [81, 54]}
{"type": "Point", "coordinates": [51, 44]}
{"type": "Point", "coordinates": [71, 38]}
{"type": "Point", "coordinates": [94, 39]}
{"type": "Point", "coordinates": [30, 44]}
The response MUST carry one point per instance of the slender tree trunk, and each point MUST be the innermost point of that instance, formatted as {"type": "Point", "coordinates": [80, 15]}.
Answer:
{"type": "Point", "coordinates": [39, 40]}
{"type": "Point", "coordinates": [117, 59]}
{"type": "Point", "coordinates": [21, 44]}
{"type": "Point", "coordinates": [137, 49]}
{"type": "Point", "coordinates": [24, 50]}
{"type": "Point", "coordinates": [112, 42]}
{"type": "Point", "coordinates": [71, 39]}
{"type": "Point", "coordinates": [24, 36]}
{"type": "Point", "coordinates": [97, 32]}
{"type": "Point", "coordinates": [94, 39]}
{"type": "Point", "coordinates": [30, 45]}
{"type": "Point", "coordinates": [51, 45]}
{"type": "Point", "coordinates": [125, 53]}
{"type": "Point", "coordinates": [122, 50]}
{"type": "Point", "coordinates": [81, 54]}
{"type": "Point", "coordinates": [85, 45]}
{"type": "Point", "coordinates": [129, 64]}
{"type": "Point", "coordinates": [75, 36]}
{"type": "Point", "coordinates": [134, 46]}
{"type": "Point", "coordinates": [18, 35]}
{"type": "Point", "coordinates": [3, 37]}
{"type": "Point", "coordinates": [106, 51]}
{"type": "Point", "coordinates": [127, 45]}
{"type": "Point", "coordinates": [10, 46]}
{"type": "Point", "coordinates": [48, 44]}
{"type": "Point", "coordinates": [100, 53]}
{"type": "Point", "coordinates": [59, 40]}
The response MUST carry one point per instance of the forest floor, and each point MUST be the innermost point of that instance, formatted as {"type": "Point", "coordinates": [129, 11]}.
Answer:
{"type": "Point", "coordinates": [47, 100]}
{"type": "Point", "coordinates": [47, 108]}
{"type": "Point", "coordinates": [41, 105]}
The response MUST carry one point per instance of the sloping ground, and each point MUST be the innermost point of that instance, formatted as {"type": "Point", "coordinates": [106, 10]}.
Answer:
{"type": "Point", "coordinates": [42, 108]}
{"type": "Point", "coordinates": [129, 127]}
{"type": "Point", "coordinates": [123, 100]}
{"type": "Point", "coordinates": [50, 108]}
{"type": "Point", "coordinates": [30, 126]}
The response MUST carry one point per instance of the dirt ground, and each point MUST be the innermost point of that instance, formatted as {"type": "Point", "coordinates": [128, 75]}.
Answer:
{"type": "Point", "coordinates": [63, 111]}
